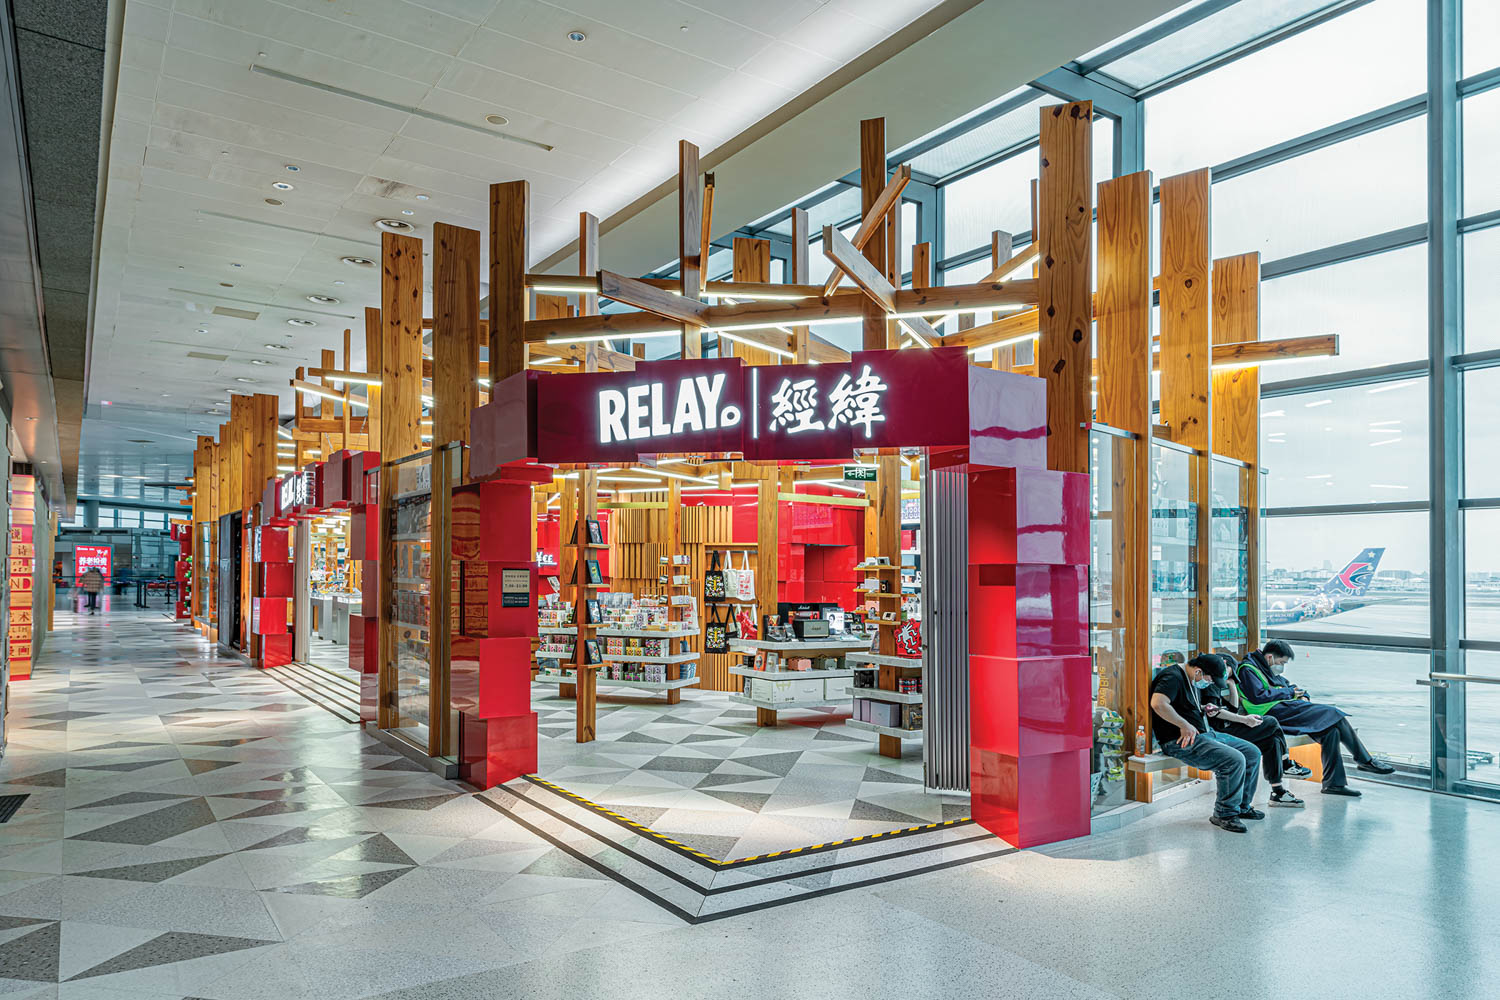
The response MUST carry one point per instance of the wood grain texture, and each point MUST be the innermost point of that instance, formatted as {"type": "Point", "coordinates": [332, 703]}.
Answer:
{"type": "Point", "coordinates": [797, 274]}
{"type": "Point", "coordinates": [673, 308]}
{"type": "Point", "coordinates": [401, 346]}
{"type": "Point", "coordinates": [1065, 196]}
{"type": "Point", "coordinates": [1185, 307]}
{"type": "Point", "coordinates": [875, 326]}
{"type": "Point", "coordinates": [1236, 391]}
{"type": "Point", "coordinates": [510, 250]}
{"type": "Point", "coordinates": [875, 216]}
{"type": "Point", "coordinates": [862, 272]}
{"type": "Point", "coordinates": [372, 364]}
{"type": "Point", "coordinates": [751, 265]}
{"type": "Point", "coordinates": [586, 689]}
{"type": "Point", "coordinates": [1123, 304]}
{"type": "Point", "coordinates": [689, 240]}
{"type": "Point", "coordinates": [455, 332]}
{"type": "Point", "coordinates": [588, 266]}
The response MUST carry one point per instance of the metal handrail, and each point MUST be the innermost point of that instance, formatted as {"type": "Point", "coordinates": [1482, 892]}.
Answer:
{"type": "Point", "coordinates": [1475, 678]}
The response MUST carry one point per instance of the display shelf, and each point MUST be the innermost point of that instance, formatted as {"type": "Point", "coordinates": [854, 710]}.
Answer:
{"type": "Point", "coordinates": [410, 625]}
{"type": "Point", "coordinates": [790, 675]}
{"type": "Point", "coordinates": [643, 658]}
{"type": "Point", "coordinates": [883, 594]}
{"type": "Point", "coordinates": [900, 734]}
{"type": "Point", "coordinates": [798, 645]}
{"type": "Point", "coordinates": [876, 568]}
{"type": "Point", "coordinates": [643, 633]}
{"type": "Point", "coordinates": [876, 694]}
{"type": "Point", "coordinates": [558, 629]}
{"type": "Point", "coordinates": [885, 660]}
{"type": "Point", "coordinates": [781, 706]}
{"type": "Point", "coordinates": [607, 682]}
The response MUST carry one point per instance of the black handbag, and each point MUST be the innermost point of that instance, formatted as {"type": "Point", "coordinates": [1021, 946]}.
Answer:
{"type": "Point", "coordinates": [715, 586]}
{"type": "Point", "coordinates": [716, 634]}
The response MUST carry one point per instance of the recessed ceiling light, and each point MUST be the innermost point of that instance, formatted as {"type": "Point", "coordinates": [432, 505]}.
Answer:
{"type": "Point", "coordinates": [165, 395]}
{"type": "Point", "coordinates": [323, 300]}
{"type": "Point", "coordinates": [273, 201]}
{"type": "Point", "coordinates": [497, 119]}
{"type": "Point", "coordinates": [241, 378]}
{"type": "Point", "coordinates": [292, 166]}
{"type": "Point", "coordinates": [393, 225]}
{"type": "Point", "coordinates": [275, 347]}
{"type": "Point", "coordinates": [281, 186]}
{"type": "Point", "coordinates": [103, 402]}
{"type": "Point", "coordinates": [298, 321]}
{"type": "Point", "coordinates": [259, 361]}
{"type": "Point", "coordinates": [407, 211]}
{"type": "Point", "coordinates": [421, 197]}
{"type": "Point", "coordinates": [576, 36]}
{"type": "Point", "coordinates": [358, 261]}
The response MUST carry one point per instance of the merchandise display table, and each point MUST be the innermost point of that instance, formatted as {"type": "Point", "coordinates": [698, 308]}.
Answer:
{"type": "Point", "coordinates": [893, 713]}
{"type": "Point", "coordinates": [775, 690]}
{"type": "Point", "coordinates": [550, 676]}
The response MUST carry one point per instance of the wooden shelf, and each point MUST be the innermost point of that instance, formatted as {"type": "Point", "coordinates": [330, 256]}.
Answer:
{"type": "Point", "coordinates": [876, 694]}
{"type": "Point", "coordinates": [603, 681]}
{"type": "Point", "coordinates": [780, 706]}
{"type": "Point", "coordinates": [886, 660]}
{"type": "Point", "coordinates": [879, 568]}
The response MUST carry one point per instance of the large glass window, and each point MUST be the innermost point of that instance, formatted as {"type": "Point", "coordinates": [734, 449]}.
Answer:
{"type": "Point", "coordinates": [1482, 433]}
{"type": "Point", "coordinates": [1354, 575]}
{"type": "Point", "coordinates": [1481, 36]}
{"type": "Point", "coordinates": [1481, 291]}
{"type": "Point", "coordinates": [1482, 574]}
{"type": "Point", "coordinates": [1377, 305]}
{"type": "Point", "coordinates": [1368, 58]}
{"type": "Point", "coordinates": [1359, 187]}
{"type": "Point", "coordinates": [1379, 690]}
{"type": "Point", "coordinates": [1366, 444]}
{"type": "Point", "coordinates": [996, 197]}
{"type": "Point", "coordinates": [1481, 138]}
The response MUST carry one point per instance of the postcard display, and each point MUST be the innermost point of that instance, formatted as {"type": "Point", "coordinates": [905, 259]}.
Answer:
{"type": "Point", "coordinates": [22, 574]}
{"type": "Point", "coordinates": [1030, 686]}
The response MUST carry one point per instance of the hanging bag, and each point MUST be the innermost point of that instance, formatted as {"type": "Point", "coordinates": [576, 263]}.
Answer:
{"type": "Point", "coordinates": [744, 580]}
{"type": "Point", "coordinates": [716, 635]}
{"type": "Point", "coordinates": [745, 618]}
{"type": "Point", "coordinates": [715, 586]}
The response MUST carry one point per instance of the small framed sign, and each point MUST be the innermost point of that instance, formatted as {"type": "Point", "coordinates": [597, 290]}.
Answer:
{"type": "Point", "coordinates": [515, 588]}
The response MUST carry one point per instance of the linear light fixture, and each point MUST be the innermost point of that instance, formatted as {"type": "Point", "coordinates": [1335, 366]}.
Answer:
{"type": "Point", "coordinates": [285, 433]}
{"type": "Point", "coordinates": [750, 343]}
{"type": "Point", "coordinates": [976, 351]}
{"type": "Point", "coordinates": [633, 336]}
{"type": "Point", "coordinates": [356, 379]}
{"type": "Point", "coordinates": [285, 468]}
{"type": "Point", "coordinates": [313, 390]}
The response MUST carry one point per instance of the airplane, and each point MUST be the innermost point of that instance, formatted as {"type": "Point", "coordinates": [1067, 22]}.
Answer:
{"type": "Point", "coordinates": [1340, 593]}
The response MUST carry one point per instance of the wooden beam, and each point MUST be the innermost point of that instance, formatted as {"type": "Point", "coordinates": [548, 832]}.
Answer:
{"type": "Point", "coordinates": [676, 308]}
{"type": "Point", "coordinates": [1001, 249]}
{"type": "Point", "coordinates": [875, 327]}
{"type": "Point", "coordinates": [874, 217]}
{"type": "Point", "coordinates": [1065, 201]}
{"type": "Point", "coordinates": [1236, 407]}
{"type": "Point", "coordinates": [1323, 345]}
{"type": "Point", "coordinates": [401, 348]}
{"type": "Point", "coordinates": [1185, 307]}
{"type": "Point", "coordinates": [689, 241]}
{"type": "Point", "coordinates": [751, 264]}
{"type": "Point", "coordinates": [704, 244]}
{"type": "Point", "coordinates": [1123, 304]}
{"type": "Point", "coordinates": [1012, 264]}
{"type": "Point", "coordinates": [455, 333]}
{"type": "Point", "coordinates": [588, 264]}
{"type": "Point", "coordinates": [510, 248]}
{"type": "Point", "coordinates": [862, 272]}
{"type": "Point", "coordinates": [798, 272]}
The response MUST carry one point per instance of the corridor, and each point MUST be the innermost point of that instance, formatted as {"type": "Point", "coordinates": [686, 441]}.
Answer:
{"type": "Point", "coordinates": [192, 828]}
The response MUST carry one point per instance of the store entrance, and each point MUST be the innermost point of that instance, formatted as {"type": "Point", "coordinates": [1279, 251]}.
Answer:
{"type": "Point", "coordinates": [229, 581]}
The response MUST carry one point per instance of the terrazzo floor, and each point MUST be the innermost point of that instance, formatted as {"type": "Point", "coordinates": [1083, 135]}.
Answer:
{"type": "Point", "coordinates": [191, 828]}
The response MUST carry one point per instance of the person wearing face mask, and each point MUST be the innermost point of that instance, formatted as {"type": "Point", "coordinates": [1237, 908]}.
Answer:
{"type": "Point", "coordinates": [1180, 728]}
{"type": "Point", "coordinates": [1221, 704]}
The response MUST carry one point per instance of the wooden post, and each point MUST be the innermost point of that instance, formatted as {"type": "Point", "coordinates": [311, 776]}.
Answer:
{"type": "Point", "coordinates": [798, 274]}
{"type": "Point", "coordinates": [455, 334]}
{"type": "Point", "coordinates": [510, 250]}
{"type": "Point", "coordinates": [588, 264]}
{"type": "Point", "coordinates": [400, 424]}
{"type": "Point", "coordinates": [1186, 357]}
{"type": "Point", "coordinates": [671, 522]}
{"type": "Point", "coordinates": [586, 674]}
{"type": "Point", "coordinates": [690, 237]}
{"type": "Point", "coordinates": [883, 527]}
{"type": "Point", "coordinates": [1124, 318]}
{"type": "Point", "coordinates": [752, 262]}
{"type": "Point", "coordinates": [1236, 406]}
{"type": "Point", "coordinates": [373, 339]}
{"type": "Point", "coordinates": [1001, 247]}
{"type": "Point", "coordinates": [1065, 196]}
{"type": "Point", "coordinates": [872, 179]}
{"type": "Point", "coordinates": [767, 551]}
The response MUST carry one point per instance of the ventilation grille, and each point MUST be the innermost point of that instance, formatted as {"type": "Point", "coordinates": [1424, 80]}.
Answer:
{"type": "Point", "coordinates": [235, 313]}
{"type": "Point", "coordinates": [205, 356]}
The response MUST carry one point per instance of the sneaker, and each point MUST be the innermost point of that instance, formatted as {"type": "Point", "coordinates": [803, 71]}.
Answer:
{"type": "Point", "coordinates": [1292, 769]}
{"type": "Point", "coordinates": [1377, 767]}
{"type": "Point", "coordinates": [1252, 813]}
{"type": "Point", "coordinates": [1286, 798]}
{"type": "Point", "coordinates": [1342, 790]}
{"type": "Point", "coordinates": [1228, 823]}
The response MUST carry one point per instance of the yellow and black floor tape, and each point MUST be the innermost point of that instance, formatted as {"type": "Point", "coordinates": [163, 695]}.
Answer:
{"type": "Point", "coordinates": [711, 861]}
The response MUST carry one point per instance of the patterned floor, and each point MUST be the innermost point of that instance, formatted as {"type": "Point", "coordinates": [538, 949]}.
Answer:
{"type": "Point", "coordinates": [703, 773]}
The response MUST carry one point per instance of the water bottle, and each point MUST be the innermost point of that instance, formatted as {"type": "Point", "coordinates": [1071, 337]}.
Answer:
{"type": "Point", "coordinates": [1142, 748]}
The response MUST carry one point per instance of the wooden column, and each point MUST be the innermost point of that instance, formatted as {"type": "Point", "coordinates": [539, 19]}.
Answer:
{"type": "Point", "coordinates": [1001, 248]}
{"type": "Point", "coordinates": [1065, 197]}
{"type": "Point", "coordinates": [797, 273]}
{"type": "Point", "coordinates": [689, 240]}
{"type": "Point", "coordinates": [373, 337]}
{"type": "Point", "coordinates": [510, 250]}
{"type": "Point", "coordinates": [455, 334]}
{"type": "Point", "coordinates": [400, 422]}
{"type": "Point", "coordinates": [1186, 355]}
{"type": "Point", "coordinates": [767, 552]}
{"type": "Point", "coordinates": [872, 179]}
{"type": "Point", "coordinates": [671, 521]}
{"type": "Point", "coordinates": [1236, 403]}
{"type": "Point", "coordinates": [752, 262]}
{"type": "Point", "coordinates": [586, 674]}
{"type": "Point", "coordinates": [1124, 318]}
{"type": "Point", "coordinates": [588, 264]}
{"type": "Point", "coordinates": [883, 538]}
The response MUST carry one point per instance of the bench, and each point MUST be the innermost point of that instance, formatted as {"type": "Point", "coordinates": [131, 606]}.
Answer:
{"type": "Point", "coordinates": [1152, 763]}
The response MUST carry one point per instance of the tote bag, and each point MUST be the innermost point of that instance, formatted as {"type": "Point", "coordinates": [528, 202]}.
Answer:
{"type": "Point", "coordinates": [715, 586]}
{"type": "Point", "coordinates": [745, 618]}
{"type": "Point", "coordinates": [716, 635]}
{"type": "Point", "coordinates": [742, 582]}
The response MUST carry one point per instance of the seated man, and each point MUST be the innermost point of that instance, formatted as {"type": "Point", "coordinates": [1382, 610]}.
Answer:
{"type": "Point", "coordinates": [1221, 703]}
{"type": "Point", "coordinates": [1265, 691]}
{"type": "Point", "coordinates": [1180, 729]}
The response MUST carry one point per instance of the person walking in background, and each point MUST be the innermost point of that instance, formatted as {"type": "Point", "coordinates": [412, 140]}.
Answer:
{"type": "Point", "coordinates": [91, 583]}
{"type": "Point", "coordinates": [1264, 690]}
{"type": "Point", "coordinates": [1181, 730]}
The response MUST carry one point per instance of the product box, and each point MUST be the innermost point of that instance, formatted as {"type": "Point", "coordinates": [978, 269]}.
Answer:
{"type": "Point", "coordinates": [885, 713]}
{"type": "Point", "coordinates": [911, 716]}
{"type": "Point", "coordinates": [862, 710]}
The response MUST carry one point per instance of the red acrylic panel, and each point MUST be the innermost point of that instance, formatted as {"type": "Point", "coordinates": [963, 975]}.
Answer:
{"type": "Point", "coordinates": [276, 580]}
{"type": "Point", "coordinates": [1031, 800]}
{"type": "Point", "coordinates": [512, 621]}
{"type": "Point", "coordinates": [1030, 705]}
{"type": "Point", "coordinates": [505, 509]}
{"type": "Point", "coordinates": [491, 678]}
{"type": "Point", "coordinates": [364, 536]}
{"type": "Point", "coordinates": [268, 615]}
{"type": "Point", "coordinates": [495, 751]}
{"type": "Point", "coordinates": [272, 545]}
{"type": "Point", "coordinates": [275, 651]}
{"type": "Point", "coordinates": [1028, 516]}
{"type": "Point", "coordinates": [1028, 610]}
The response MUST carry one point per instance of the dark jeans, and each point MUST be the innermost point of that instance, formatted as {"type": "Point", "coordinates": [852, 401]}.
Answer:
{"type": "Point", "coordinates": [1268, 739]}
{"type": "Point", "coordinates": [92, 597]}
{"type": "Point", "coordinates": [1333, 760]}
{"type": "Point", "coordinates": [1233, 762]}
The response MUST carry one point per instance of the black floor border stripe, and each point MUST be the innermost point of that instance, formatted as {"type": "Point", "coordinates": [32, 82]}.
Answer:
{"type": "Point", "coordinates": [757, 859]}
{"type": "Point", "coordinates": [329, 691]}
{"type": "Point", "coordinates": [10, 803]}
{"type": "Point", "coordinates": [695, 919]}
{"type": "Point", "coordinates": [605, 870]}
{"type": "Point", "coordinates": [330, 675]}
{"type": "Point", "coordinates": [303, 694]}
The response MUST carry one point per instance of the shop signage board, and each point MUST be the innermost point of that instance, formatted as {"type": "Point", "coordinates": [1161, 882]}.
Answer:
{"type": "Point", "coordinates": [22, 517]}
{"type": "Point", "coordinates": [87, 557]}
{"type": "Point", "coordinates": [515, 588]}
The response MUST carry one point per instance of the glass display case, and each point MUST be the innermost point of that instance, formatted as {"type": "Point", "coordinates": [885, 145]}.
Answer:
{"type": "Point", "coordinates": [1229, 556]}
{"type": "Point", "coordinates": [1175, 555]}
{"type": "Point", "coordinates": [411, 534]}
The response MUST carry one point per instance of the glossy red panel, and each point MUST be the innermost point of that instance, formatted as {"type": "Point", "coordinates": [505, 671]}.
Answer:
{"type": "Point", "coordinates": [1030, 705]}
{"type": "Point", "coordinates": [271, 545]}
{"type": "Point", "coordinates": [1007, 420]}
{"type": "Point", "coordinates": [504, 429]}
{"type": "Point", "coordinates": [504, 514]}
{"type": "Point", "coordinates": [517, 620]}
{"type": "Point", "coordinates": [369, 595]}
{"type": "Point", "coordinates": [1031, 800]}
{"type": "Point", "coordinates": [268, 615]}
{"type": "Point", "coordinates": [495, 751]}
{"type": "Point", "coordinates": [1028, 516]}
{"type": "Point", "coordinates": [364, 538]}
{"type": "Point", "coordinates": [1028, 610]}
{"type": "Point", "coordinates": [276, 579]}
{"type": "Point", "coordinates": [491, 677]}
{"type": "Point", "coordinates": [275, 651]}
{"type": "Point", "coordinates": [363, 642]}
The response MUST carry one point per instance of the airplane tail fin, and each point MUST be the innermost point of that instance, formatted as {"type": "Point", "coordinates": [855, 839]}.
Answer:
{"type": "Point", "coordinates": [1355, 578]}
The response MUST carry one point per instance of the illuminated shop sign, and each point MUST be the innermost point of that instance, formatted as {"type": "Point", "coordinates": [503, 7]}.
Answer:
{"type": "Point", "coordinates": [642, 411]}
{"type": "Point", "coordinates": [296, 491]}
{"type": "Point", "coordinates": [87, 557]}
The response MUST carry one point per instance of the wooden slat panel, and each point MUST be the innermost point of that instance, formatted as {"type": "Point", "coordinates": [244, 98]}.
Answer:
{"type": "Point", "coordinates": [1185, 307]}
{"type": "Point", "coordinates": [1065, 195]}
{"type": "Point", "coordinates": [510, 247]}
{"type": "Point", "coordinates": [455, 332]}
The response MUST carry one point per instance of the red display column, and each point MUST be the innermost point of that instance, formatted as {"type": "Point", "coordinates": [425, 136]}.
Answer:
{"type": "Point", "coordinates": [343, 486]}
{"type": "Point", "coordinates": [271, 555]}
{"type": "Point", "coordinates": [495, 611]}
{"type": "Point", "coordinates": [1030, 692]}
{"type": "Point", "coordinates": [183, 536]}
